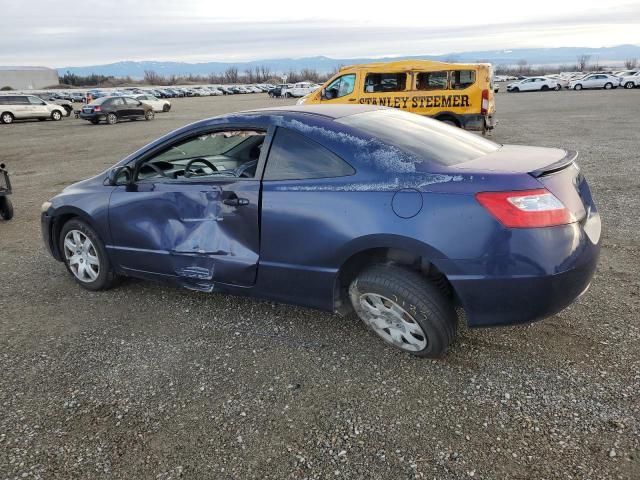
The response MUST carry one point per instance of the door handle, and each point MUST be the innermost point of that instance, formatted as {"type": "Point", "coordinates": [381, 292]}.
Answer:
{"type": "Point", "coordinates": [352, 99]}
{"type": "Point", "coordinates": [236, 202]}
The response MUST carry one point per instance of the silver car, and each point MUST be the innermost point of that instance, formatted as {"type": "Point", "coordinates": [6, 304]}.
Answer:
{"type": "Point", "coordinates": [19, 107]}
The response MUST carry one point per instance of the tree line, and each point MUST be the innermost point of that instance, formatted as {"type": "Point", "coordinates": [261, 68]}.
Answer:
{"type": "Point", "coordinates": [232, 75]}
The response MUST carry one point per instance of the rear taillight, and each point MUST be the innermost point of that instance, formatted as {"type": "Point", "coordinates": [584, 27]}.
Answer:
{"type": "Point", "coordinates": [96, 108]}
{"type": "Point", "coordinates": [484, 109]}
{"type": "Point", "coordinates": [526, 208]}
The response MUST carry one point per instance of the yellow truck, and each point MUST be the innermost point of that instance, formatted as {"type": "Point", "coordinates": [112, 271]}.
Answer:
{"type": "Point", "coordinates": [460, 94]}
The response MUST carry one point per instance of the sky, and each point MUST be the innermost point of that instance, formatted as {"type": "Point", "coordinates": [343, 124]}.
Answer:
{"type": "Point", "coordinates": [89, 32]}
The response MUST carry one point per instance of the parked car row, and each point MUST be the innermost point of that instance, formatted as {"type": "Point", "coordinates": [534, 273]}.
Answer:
{"type": "Point", "coordinates": [110, 109]}
{"type": "Point", "coordinates": [572, 81]}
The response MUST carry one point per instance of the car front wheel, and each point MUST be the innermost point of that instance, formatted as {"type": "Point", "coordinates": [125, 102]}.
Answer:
{"type": "Point", "coordinates": [85, 257]}
{"type": "Point", "coordinates": [578, 87]}
{"type": "Point", "coordinates": [112, 119]}
{"type": "Point", "coordinates": [404, 309]}
{"type": "Point", "coordinates": [149, 115]}
{"type": "Point", "coordinates": [56, 115]}
{"type": "Point", "coordinates": [608, 86]}
{"type": "Point", "coordinates": [7, 117]}
{"type": "Point", "coordinates": [629, 85]}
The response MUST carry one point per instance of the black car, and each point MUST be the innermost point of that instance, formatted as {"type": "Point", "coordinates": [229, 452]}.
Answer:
{"type": "Point", "coordinates": [112, 109]}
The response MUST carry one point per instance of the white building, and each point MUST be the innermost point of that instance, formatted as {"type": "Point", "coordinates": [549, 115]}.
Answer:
{"type": "Point", "coordinates": [27, 78]}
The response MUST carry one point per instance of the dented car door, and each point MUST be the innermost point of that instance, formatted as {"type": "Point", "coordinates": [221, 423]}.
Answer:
{"type": "Point", "coordinates": [201, 232]}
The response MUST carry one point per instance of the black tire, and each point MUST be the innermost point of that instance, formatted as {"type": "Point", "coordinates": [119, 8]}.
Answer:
{"type": "Point", "coordinates": [41, 119]}
{"type": "Point", "coordinates": [166, 108]}
{"type": "Point", "coordinates": [6, 208]}
{"type": "Point", "coordinates": [149, 115]}
{"type": "Point", "coordinates": [56, 115]}
{"type": "Point", "coordinates": [629, 85]}
{"type": "Point", "coordinates": [557, 88]}
{"type": "Point", "coordinates": [423, 302]}
{"type": "Point", "coordinates": [106, 277]}
{"type": "Point", "coordinates": [608, 86]}
{"type": "Point", "coordinates": [112, 119]}
{"type": "Point", "coordinates": [449, 121]}
{"type": "Point", "coordinates": [544, 88]}
{"type": "Point", "coordinates": [95, 121]}
{"type": "Point", "coordinates": [515, 90]}
{"type": "Point", "coordinates": [578, 87]}
{"type": "Point", "coordinates": [7, 118]}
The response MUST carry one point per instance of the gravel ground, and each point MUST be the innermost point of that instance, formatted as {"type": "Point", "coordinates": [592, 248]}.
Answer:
{"type": "Point", "coordinates": [148, 381]}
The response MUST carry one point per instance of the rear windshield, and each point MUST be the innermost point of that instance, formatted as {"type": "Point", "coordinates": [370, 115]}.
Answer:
{"type": "Point", "coordinates": [423, 137]}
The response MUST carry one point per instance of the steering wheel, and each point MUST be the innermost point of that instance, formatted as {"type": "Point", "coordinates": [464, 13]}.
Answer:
{"type": "Point", "coordinates": [189, 173]}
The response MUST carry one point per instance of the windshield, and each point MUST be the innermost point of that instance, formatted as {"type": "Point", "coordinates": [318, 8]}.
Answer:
{"type": "Point", "coordinates": [425, 138]}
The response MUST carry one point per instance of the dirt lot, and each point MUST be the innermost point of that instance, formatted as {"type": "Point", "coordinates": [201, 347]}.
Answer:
{"type": "Point", "coordinates": [148, 381]}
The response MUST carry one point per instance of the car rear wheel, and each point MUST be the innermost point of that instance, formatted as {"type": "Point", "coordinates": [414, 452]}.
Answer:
{"type": "Point", "coordinates": [608, 86]}
{"type": "Point", "coordinates": [557, 88]}
{"type": "Point", "coordinates": [85, 257]}
{"type": "Point", "coordinates": [577, 87]}
{"type": "Point", "coordinates": [629, 85]}
{"type": "Point", "coordinates": [149, 115]}
{"type": "Point", "coordinates": [112, 119]}
{"type": "Point", "coordinates": [6, 208]}
{"type": "Point", "coordinates": [404, 309]}
{"type": "Point", "coordinates": [165, 108]}
{"type": "Point", "coordinates": [6, 117]}
{"type": "Point", "coordinates": [56, 115]}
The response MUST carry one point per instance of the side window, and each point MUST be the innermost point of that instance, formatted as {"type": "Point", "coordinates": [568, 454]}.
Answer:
{"type": "Point", "coordinates": [385, 82]}
{"type": "Point", "coordinates": [294, 157]}
{"type": "Point", "coordinates": [461, 79]}
{"type": "Point", "coordinates": [116, 102]}
{"type": "Point", "coordinates": [432, 81]}
{"type": "Point", "coordinates": [35, 101]}
{"type": "Point", "coordinates": [229, 153]}
{"type": "Point", "coordinates": [132, 102]}
{"type": "Point", "coordinates": [342, 86]}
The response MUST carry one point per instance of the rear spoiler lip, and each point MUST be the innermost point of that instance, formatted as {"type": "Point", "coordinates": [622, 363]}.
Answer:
{"type": "Point", "coordinates": [569, 157]}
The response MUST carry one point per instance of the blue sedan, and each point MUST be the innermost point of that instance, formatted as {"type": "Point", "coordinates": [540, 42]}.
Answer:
{"type": "Point", "coordinates": [393, 216]}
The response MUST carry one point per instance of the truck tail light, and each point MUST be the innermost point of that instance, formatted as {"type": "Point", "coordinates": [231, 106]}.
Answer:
{"type": "Point", "coordinates": [484, 109]}
{"type": "Point", "coordinates": [526, 208]}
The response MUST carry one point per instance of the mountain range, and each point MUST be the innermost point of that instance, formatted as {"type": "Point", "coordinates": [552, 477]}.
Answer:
{"type": "Point", "coordinates": [533, 56]}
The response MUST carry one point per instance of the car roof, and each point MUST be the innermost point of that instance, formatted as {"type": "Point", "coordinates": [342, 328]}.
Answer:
{"type": "Point", "coordinates": [331, 111]}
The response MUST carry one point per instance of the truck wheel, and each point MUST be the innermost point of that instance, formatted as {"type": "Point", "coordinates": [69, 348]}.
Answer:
{"type": "Point", "coordinates": [112, 119]}
{"type": "Point", "coordinates": [6, 208]}
{"type": "Point", "coordinates": [56, 115]}
{"type": "Point", "coordinates": [6, 117]}
{"type": "Point", "coordinates": [404, 309]}
{"type": "Point", "coordinates": [85, 257]}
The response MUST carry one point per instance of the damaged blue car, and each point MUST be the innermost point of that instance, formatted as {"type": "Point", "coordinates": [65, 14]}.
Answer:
{"type": "Point", "coordinates": [396, 217]}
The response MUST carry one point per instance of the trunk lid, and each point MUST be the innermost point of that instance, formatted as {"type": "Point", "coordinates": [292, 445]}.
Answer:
{"type": "Point", "coordinates": [554, 168]}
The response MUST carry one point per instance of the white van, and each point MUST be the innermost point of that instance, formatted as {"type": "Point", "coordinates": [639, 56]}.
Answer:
{"type": "Point", "coordinates": [19, 107]}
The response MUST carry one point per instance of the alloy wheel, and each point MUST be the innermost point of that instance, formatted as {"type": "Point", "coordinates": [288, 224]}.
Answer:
{"type": "Point", "coordinates": [391, 322]}
{"type": "Point", "coordinates": [82, 256]}
{"type": "Point", "coordinates": [7, 118]}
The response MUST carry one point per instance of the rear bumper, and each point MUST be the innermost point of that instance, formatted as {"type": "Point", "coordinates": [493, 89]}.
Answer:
{"type": "Point", "coordinates": [493, 294]}
{"type": "Point", "coordinates": [91, 116]}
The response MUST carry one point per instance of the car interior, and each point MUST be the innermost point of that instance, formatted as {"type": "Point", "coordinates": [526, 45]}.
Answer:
{"type": "Point", "coordinates": [217, 154]}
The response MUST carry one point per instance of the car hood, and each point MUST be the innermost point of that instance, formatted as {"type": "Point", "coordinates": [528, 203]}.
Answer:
{"type": "Point", "coordinates": [519, 159]}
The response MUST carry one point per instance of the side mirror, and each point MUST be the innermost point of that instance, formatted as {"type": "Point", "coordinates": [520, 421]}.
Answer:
{"type": "Point", "coordinates": [119, 176]}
